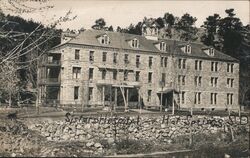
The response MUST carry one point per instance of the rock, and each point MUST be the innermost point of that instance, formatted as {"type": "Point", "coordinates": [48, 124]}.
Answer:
{"type": "Point", "coordinates": [153, 130]}
{"type": "Point", "coordinates": [49, 138]}
{"type": "Point", "coordinates": [46, 134]}
{"type": "Point", "coordinates": [13, 155]}
{"type": "Point", "coordinates": [111, 140]}
{"type": "Point", "coordinates": [80, 132]}
{"type": "Point", "coordinates": [87, 126]}
{"type": "Point", "coordinates": [108, 135]}
{"type": "Point", "coordinates": [90, 144]}
{"type": "Point", "coordinates": [66, 136]}
{"type": "Point", "coordinates": [163, 126]}
{"type": "Point", "coordinates": [98, 145]}
{"type": "Point", "coordinates": [169, 141]}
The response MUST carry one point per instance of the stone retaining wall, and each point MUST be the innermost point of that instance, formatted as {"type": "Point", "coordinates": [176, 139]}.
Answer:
{"type": "Point", "coordinates": [159, 128]}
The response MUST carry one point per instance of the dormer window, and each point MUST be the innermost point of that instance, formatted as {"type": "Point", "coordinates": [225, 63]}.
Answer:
{"type": "Point", "coordinates": [163, 46]}
{"type": "Point", "coordinates": [211, 52]}
{"type": "Point", "coordinates": [135, 43]}
{"type": "Point", "coordinates": [187, 49]}
{"type": "Point", "coordinates": [104, 39]}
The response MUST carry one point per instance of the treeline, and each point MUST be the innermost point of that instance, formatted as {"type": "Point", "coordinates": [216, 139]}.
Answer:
{"type": "Point", "coordinates": [226, 34]}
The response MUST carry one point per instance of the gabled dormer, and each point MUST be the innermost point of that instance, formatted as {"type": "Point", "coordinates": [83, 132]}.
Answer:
{"type": "Point", "coordinates": [186, 48]}
{"type": "Point", "coordinates": [134, 43]}
{"type": "Point", "coordinates": [162, 46]}
{"type": "Point", "coordinates": [209, 51]}
{"type": "Point", "coordinates": [104, 39]}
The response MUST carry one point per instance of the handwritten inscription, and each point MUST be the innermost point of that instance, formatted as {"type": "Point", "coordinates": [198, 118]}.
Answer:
{"type": "Point", "coordinates": [188, 120]}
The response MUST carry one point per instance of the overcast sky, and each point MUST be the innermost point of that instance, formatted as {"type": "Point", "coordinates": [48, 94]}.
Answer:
{"type": "Point", "coordinates": [124, 12]}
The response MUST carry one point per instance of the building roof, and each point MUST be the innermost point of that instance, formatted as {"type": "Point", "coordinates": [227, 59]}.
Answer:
{"type": "Point", "coordinates": [120, 41]}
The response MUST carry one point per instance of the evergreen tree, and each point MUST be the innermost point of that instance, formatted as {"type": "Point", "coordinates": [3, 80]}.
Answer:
{"type": "Point", "coordinates": [211, 26]}
{"type": "Point", "coordinates": [230, 29]}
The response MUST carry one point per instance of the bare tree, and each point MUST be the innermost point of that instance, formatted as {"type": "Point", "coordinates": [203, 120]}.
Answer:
{"type": "Point", "coordinates": [25, 48]}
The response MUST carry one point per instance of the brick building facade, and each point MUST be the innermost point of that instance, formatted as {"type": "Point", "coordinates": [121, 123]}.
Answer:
{"type": "Point", "coordinates": [101, 68]}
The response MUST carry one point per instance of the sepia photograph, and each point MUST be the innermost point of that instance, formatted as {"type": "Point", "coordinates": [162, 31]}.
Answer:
{"type": "Point", "coordinates": [125, 78]}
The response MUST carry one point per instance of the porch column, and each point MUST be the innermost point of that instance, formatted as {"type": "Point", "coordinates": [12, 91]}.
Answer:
{"type": "Point", "coordinates": [115, 99]}
{"type": "Point", "coordinates": [103, 96]}
{"type": "Point", "coordinates": [139, 99]}
{"type": "Point", "coordinates": [173, 103]}
{"type": "Point", "coordinates": [126, 108]}
{"type": "Point", "coordinates": [161, 101]}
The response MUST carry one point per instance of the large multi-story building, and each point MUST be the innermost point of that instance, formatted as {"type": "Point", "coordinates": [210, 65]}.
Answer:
{"type": "Point", "coordinates": [100, 68]}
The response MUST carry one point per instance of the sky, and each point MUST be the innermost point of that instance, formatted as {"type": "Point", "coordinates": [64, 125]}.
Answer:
{"type": "Point", "coordinates": [124, 12]}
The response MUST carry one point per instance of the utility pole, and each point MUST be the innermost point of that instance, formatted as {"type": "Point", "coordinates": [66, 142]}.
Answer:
{"type": "Point", "coordinates": [37, 85]}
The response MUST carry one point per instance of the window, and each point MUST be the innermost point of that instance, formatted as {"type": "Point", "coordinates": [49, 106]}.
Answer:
{"type": "Point", "coordinates": [105, 39]}
{"type": "Point", "coordinates": [149, 95]}
{"type": "Point", "coordinates": [179, 63]}
{"type": "Point", "coordinates": [104, 72]}
{"type": "Point", "coordinates": [213, 98]}
{"type": "Point", "coordinates": [197, 98]}
{"type": "Point", "coordinates": [150, 77]}
{"type": "Point", "coordinates": [214, 81]}
{"type": "Point", "coordinates": [182, 63]}
{"type": "Point", "coordinates": [125, 75]}
{"type": "Point", "coordinates": [91, 56]}
{"type": "Point", "coordinates": [162, 59]}
{"type": "Point", "coordinates": [211, 52]}
{"type": "Point", "coordinates": [135, 43]}
{"type": "Point", "coordinates": [229, 98]}
{"type": "Point", "coordinates": [163, 78]}
{"type": "Point", "coordinates": [115, 58]}
{"type": "Point", "coordinates": [76, 72]}
{"type": "Point", "coordinates": [150, 62]}
{"type": "Point", "coordinates": [187, 49]}
{"type": "Point", "coordinates": [137, 76]}
{"type": "Point", "coordinates": [137, 62]}
{"type": "Point", "coordinates": [181, 79]}
{"type": "Point", "coordinates": [114, 75]}
{"type": "Point", "coordinates": [126, 59]}
{"type": "Point", "coordinates": [91, 72]}
{"type": "Point", "coordinates": [77, 54]}
{"type": "Point", "coordinates": [163, 46]}
{"type": "Point", "coordinates": [76, 92]}
{"type": "Point", "coordinates": [230, 82]}
{"type": "Point", "coordinates": [182, 97]}
{"type": "Point", "coordinates": [165, 61]}
{"type": "Point", "coordinates": [214, 66]}
{"type": "Point", "coordinates": [197, 80]}
{"type": "Point", "coordinates": [198, 65]}
{"type": "Point", "coordinates": [104, 56]}
{"type": "Point", "coordinates": [90, 93]}
{"type": "Point", "coordinates": [230, 67]}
